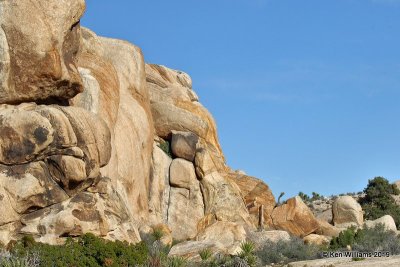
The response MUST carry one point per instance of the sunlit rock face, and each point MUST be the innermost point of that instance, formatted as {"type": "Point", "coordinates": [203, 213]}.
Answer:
{"type": "Point", "coordinates": [39, 44]}
{"type": "Point", "coordinates": [93, 139]}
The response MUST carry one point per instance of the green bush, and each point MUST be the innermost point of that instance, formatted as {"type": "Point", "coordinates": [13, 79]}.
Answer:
{"type": "Point", "coordinates": [304, 197]}
{"type": "Point", "coordinates": [248, 254]}
{"type": "Point", "coordinates": [345, 238]}
{"type": "Point", "coordinates": [283, 252]}
{"type": "Point", "coordinates": [316, 196]}
{"type": "Point", "coordinates": [166, 147]}
{"type": "Point", "coordinates": [176, 262]}
{"type": "Point", "coordinates": [205, 254]}
{"type": "Point", "coordinates": [378, 200]}
{"type": "Point", "coordinates": [245, 258]}
{"type": "Point", "coordinates": [88, 250]}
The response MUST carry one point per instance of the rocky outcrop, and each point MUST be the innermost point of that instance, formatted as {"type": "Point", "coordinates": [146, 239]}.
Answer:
{"type": "Point", "coordinates": [257, 195]}
{"type": "Point", "coordinates": [347, 212]}
{"type": "Point", "coordinates": [295, 217]}
{"type": "Point", "coordinates": [93, 139]}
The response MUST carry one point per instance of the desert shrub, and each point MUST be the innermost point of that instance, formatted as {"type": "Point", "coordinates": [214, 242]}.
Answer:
{"type": "Point", "coordinates": [12, 260]}
{"type": "Point", "coordinates": [157, 234]}
{"type": "Point", "coordinates": [176, 262]}
{"type": "Point", "coordinates": [225, 261]}
{"type": "Point", "coordinates": [378, 201]}
{"type": "Point", "coordinates": [205, 254]}
{"type": "Point", "coordinates": [377, 239]}
{"type": "Point", "coordinates": [345, 238]}
{"type": "Point", "coordinates": [316, 196]}
{"type": "Point", "coordinates": [87, 250]}
{"type": "Point", "coordinates": [287, 251]}
{"type": "Point", "coordinates": [166, 147]}
{"type": "Point", "coordinates": [158, 254]}
{"type": "Point", "coordinates": [304, 197]}
{"type": "Point", "coordinates": [247, 254]}
{"type": "Point", "coordinates": [368, 240]}
{"type": "Point", "coordinates": [245, 258]}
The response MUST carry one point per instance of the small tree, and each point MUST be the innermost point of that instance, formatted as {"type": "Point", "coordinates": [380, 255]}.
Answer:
{"type": "Point", "coordinates": [304, 197]}
{"type": "Point", "coordinates": [378, 200]}
{"type": "Point", "coordinates": [315, 196]}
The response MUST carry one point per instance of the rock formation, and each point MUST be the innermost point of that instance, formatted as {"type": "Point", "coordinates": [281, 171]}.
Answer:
{"type": "Point", "coordinates": [93, 139]}
{"type": "Point", "coordinates": [347, 212]}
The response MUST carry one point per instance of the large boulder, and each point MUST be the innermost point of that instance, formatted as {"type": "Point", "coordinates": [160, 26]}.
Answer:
{"type": "Point", "coordinates": [387, 221]}
{"type": "Point", "coordinates": [102, 214]}
{"type": "Point", "coordinates": [186, 206]}
{"type": "Point", "coordinates": [257, 195]}
{"type": "Point", "coordinates": [259, 238]}
{"type": "Point", "coordinates": [183, 145]}
{"type": "Point", "coordinates": [327, 229]}
{"type": "Point", "coordinates": [347, 212]}
{"type": "Point", "coordinates": [39, 43]}
{"type": "Point", "coordinates": [294, 217]}
{"type": "Point", "coordinates": [190, 249]}
{"type": "Point", "coordinates": [230, 235]}
{"type": "Point", "coordinates": [159, 187]}
{"type": "Point", "coordinates": [182, 174]}
{"type": "Point", "coordinates": [222, 198]}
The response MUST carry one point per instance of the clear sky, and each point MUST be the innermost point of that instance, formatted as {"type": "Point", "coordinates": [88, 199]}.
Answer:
{"type": "Point", "coordinates": [306, 94]}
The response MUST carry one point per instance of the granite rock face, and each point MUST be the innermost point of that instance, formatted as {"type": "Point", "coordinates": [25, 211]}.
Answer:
{"type": "Point", "coordinates": [295, 217]}
{"type": "Point", "coordinates": [93, 139]}
{"type": "Point", "coordinates": [346, 212]}
{"type": "Point", "coordinates": [39, 44]}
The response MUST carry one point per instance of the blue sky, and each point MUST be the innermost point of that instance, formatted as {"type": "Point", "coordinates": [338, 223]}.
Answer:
{"type": "Point", "coordinates": [305, 93]}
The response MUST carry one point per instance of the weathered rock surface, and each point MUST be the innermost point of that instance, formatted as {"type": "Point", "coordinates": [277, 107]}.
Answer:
{"type": "Point", "coordinates": [386, 220]}
{"type": "Point", "coordinates": [185, 209]}
{"type": "Point", "coordinates": [259, 238]}
{"type": "Point", "coordinates": [186, 205]}
{"type": "Point", "coordinates": [222, 198]}
{"type": "Point", "coordinates": [39, 44]}
{"type": "Point", "coordinates": [159, 187]}
{"type": "Point", "coordinates": [190, 249]}
{"type": "Point", "coordinates": [256, 194]}
{"type": "Point", "coordinates": [230, 235]}
{"type": "Point", "coordinates": [175, 106]}
{"type": "Point", "coordinates": [294, 217]}
{"type": "Point", "coordinates": [123, 102]}
{"type": "Point", "coordinates": [182, 174]}
{"type": "Point", "coordinates": [316, 239]}
{"type": "Point", "coordinates": [183, 145]}
{"type": "Point", "coordinates": [327, 229]}
{"type": "Point", "coordinates": [85, 212]}
{"type": "Point", "coordinates": [346, 212]}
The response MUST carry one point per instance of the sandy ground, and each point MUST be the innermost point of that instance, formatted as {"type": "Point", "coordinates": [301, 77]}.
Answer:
{"type": "Point", "coordinates": [347, 262]}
